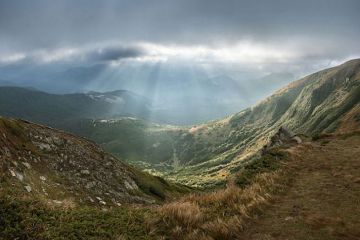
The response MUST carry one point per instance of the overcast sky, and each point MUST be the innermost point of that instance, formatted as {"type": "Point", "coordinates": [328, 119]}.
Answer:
{"type": "Point", "coordinates": [245, 32]}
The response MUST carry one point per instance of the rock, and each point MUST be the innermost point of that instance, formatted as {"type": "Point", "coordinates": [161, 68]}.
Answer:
{"type": "Point", "coordinates": [297, 139]}
{"type": "Point", "coordinates": [7, 152]}
{"type": "Point", "coordinates": [44, 146]}
{"type": "Point", "coordinates": [57, 141]}
{"type": "Point", "coordinates": [85, 172]}
{"type": "Point", "coordinates": [130, 185]}
{"type": "Point", "coordinates": [12, 173]}
{"type": "Point", "coordinates": [19, 176]}
{"type": "Point", "coordinates": [90, 185]}
{"type": "Point", "coordinates": [282, 137]}
{"type": "Point", "coordinates": [27, 165]}
{"type": "Point", "coordinates": [28, 188]}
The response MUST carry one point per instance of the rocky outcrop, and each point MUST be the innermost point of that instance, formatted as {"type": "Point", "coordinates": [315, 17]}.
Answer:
{"type": "Point", "coordinates": [58, 166]}
{"type": "Point", "coordinates": [283, 137]}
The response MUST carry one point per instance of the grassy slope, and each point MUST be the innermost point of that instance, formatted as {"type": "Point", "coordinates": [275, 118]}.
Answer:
{"type": "Point", "coordinates": [312, 192]}
{"type": "Point", "coordinates": [56, 173]}
{"type": "Point", "coordinates": [323, 199]}
{"type": "Point", "coordinates": [57, 207]}
{"type": "Point", "coordinates": [26, 218]}
{"type": "Point", "coordinates": [30, 219]}
{"type": "Point", "coordinates": [207, 154]}
{"type": "Point", "coordinates": [308, 191]}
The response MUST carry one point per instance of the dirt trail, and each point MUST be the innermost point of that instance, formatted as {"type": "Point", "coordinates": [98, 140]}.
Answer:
{"type": "Point", "coordinates": [323, 200]}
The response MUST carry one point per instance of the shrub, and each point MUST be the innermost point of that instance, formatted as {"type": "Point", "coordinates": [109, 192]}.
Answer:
{"type": "Point", "coordinates": [268, 162]}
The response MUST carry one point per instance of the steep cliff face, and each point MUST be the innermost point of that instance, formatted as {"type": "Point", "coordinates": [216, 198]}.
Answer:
{"type": "Point", "coordinates": [60, 168]}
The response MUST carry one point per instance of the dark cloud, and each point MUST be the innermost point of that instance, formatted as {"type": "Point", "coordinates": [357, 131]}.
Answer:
{"type": "Point", "coordinates": [43, 23]}
{"type": "Point", "coordinates": [323, 29]}
{"type": "Point", "coordinates": [85, 55]}
{"type": "Point", "coordinates": [113, 53]}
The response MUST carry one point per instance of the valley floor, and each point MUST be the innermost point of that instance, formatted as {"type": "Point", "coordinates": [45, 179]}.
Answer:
{"type": "Point", "coordinates": [323, 199]}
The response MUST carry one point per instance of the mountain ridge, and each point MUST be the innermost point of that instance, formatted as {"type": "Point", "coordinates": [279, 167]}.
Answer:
{"type": "Point", "coordinates": [64, 169]}
{"type": "Point", "coordinates": [54, 109]}
{"type": "Point", "coordinates": [293, 151]}
{"type": "Point", "coordinates": [208, 153]}
{"type": "Point", "coordinates": [310, 105]}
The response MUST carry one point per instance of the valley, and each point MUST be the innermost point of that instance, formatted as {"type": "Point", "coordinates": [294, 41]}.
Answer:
{"type": "Point", "coordinates": [179, 120]}
{"type": "Point", "coordinates": [207, 154]}
{"type": "Point", "coordinates": [307, 190]}
{"type": "Point", "coordinates": [289, 162]}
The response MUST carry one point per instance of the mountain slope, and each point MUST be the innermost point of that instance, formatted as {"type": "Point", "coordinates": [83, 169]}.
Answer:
{"type": "Point", "coordinates": [55, 110]}
{"type": "Point", "coordinates": [314, 104]}
{"type": "Point", "coordinates": [322, 200]}
{"type": "Point", "coordinates": [307, 191]}
{"type": "Point", "coordinates": [181, 93]}
{"type": "Point", "coordinates": [60, 168]}
{"type": "Point", "coordinates": [210, 152]}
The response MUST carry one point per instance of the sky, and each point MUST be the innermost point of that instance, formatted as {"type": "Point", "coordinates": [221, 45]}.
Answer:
{"type": "Point", "coordinates": [262, 34]}
{"type": "Point", "coordinates": [195, 60]}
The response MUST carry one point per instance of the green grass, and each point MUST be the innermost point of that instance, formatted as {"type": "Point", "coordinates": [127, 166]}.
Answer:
{"type": "Point", "coordinates": [157, 186]}
{"type": "Point", "coordinates": [25, 219]}
{"type": "Point", "coordinates": [267, 163]}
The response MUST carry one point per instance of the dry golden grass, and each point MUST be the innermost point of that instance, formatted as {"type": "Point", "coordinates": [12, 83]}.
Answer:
{"type": "Point", "coordinates": [323, 200]}
{"type": "Point", "coordinates": [315, 195]}
{"type": "Point", "coordinates": [217, 215]}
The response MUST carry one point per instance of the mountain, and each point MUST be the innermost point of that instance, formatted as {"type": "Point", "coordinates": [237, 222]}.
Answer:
{"type": "Point", "coordinates": [208, 153]}
{"type": "Point", "coordinates": [5, 83]}
{"type": "Point", "coordinates": [305, 188]}
{"type": "Point", "coordinates": [286, 167]}
{"type": "Point", "coordinates": [60, 168]}
{"type": "Point", "coordinates": [55, 110]}
{"type": "Point", "coordinates": [181, 93]}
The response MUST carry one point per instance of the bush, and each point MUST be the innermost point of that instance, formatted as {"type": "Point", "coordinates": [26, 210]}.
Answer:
{"type": "Point", "coordinates": [267, 163]}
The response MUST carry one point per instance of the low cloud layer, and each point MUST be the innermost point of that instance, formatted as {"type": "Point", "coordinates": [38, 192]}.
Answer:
{"type": "Point", "coordinates": [114, 53]}
{"type": "Point", "coordinates": [256, 34]}
{"type": "Point", "coordinates": [92, 55]}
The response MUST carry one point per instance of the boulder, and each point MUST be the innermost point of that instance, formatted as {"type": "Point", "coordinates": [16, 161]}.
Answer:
{"type": "Point", "coordinates": [282, 137]}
